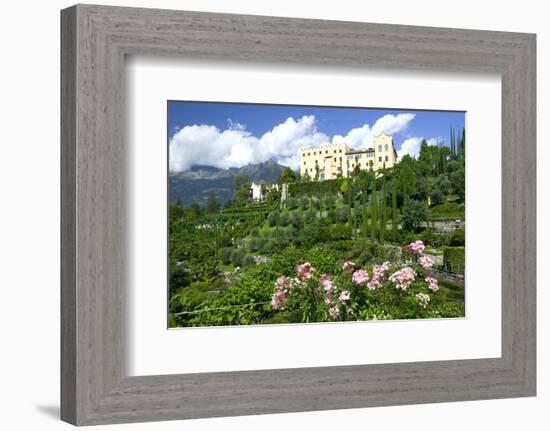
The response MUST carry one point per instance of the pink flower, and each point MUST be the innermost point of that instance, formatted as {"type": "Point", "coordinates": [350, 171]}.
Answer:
{"type": "Point", "coordinates": [334, 312]}
{"type": "Point", "coordinates": [426, 262]}
{"type": "Point", "coordinates": [305, 271]}
{"type": "Point", "coordinates": [344, 296]}
{"type": "Point", "coordinates": [423, 299]}
{"type": "Point", "coordinates": [378, 275]}
{"type": "Point", "coordinates": [403, 278]}
{"type": "Point", "coordinates": [283, 283]}
{"type": "Point", "coordinates": [278, 300]}
{"type": "Point", "coordinates": [416, 247]}
{"type": "Point", "coordinates": [326, 283]}
{"type": "Point", "coordinates": [359, 277]}
{"type": "Point", "coordinates": [432, 283]}
{"type": "Point", "coordinates": [348, 265]}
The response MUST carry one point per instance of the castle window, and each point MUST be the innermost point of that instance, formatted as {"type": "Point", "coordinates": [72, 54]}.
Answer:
{"type": "Point", "coordinates": [386, 147]}
{"type": "Point", "coordinates": [386, 158]}
{"type": "Point", "coordinates": [326, 151]}
{"type": "Point", "coordinates": [314, 153]}
{"type": "Point", "coordinates": [380, 158]}
{"type": "Point", "coordinates": [379, 147]}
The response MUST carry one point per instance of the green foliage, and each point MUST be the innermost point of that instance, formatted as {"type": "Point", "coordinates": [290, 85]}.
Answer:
{"type": "Point", "coordinates": [223, 263]}
{"type": "Point", "coordinates": [212, 203]}
{"type": "Point", "coordinates": [314, 188]}
{"type": "Point", "coordinates": [241, 187]}
{"type": "Point", "coordinates": [287, 176]}
{"type": "Point", "coordinates": [414, 214]}
{"type": "Point", "coordinates": [454, 259]}
{"type": "Point", "coordinates": [457, 238]}
{"type": "Point", "coordinates": [447, 210]}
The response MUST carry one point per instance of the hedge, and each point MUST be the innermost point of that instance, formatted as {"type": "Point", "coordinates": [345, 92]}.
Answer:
{"type": "Point", "coordinates": [317, 188]}
{"type": "Point", "coordinates": [454, 259]}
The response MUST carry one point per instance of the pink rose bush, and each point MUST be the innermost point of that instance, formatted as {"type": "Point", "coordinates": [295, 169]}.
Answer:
{"type": "Point", "coordinates": [423, 299]}
{"type": "Point", "coordinates": [359, 293]}
{"type": "Point", "coordinates": [426, 262]}
{"type": "Point", "coordinates": [416, 247]}
{"type": "Point", "coordinates": [378, 274]}
{"type": "Point", "coordinates": [403, 278]}
{"type": "Point", "coordinates": [360, 277]}
{"type": "Point", "coordinates": [432, 283]}
{"type": "Point", "coordinates": [348, 265]}
{"type": "Point", "coordinates": [304, 271]}
{"type": "Point", "coordinates": [319, 296]}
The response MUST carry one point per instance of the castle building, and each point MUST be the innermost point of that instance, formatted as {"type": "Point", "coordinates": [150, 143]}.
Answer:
{"type": "Point", "coordinates": [332, 161]}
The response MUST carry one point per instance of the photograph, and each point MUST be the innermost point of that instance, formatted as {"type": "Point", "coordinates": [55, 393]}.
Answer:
{"type": "Point", "coordinates": [306, 214]}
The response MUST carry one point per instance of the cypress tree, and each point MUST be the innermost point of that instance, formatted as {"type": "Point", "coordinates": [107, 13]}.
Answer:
{"type": "Point", "coordinates": [373, 212]}
{"type": "Point", "coordinates": [452, 144]}
{"type": "Point", "coordinates": [383, 212]}
{"type": "Point", "coordinates": [364, 198]}
{"type": "Point", "coordinates": [393, 210]}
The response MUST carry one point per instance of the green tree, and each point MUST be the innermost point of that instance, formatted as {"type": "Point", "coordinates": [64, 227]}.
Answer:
{"type": "Point", "coordinates": [394, 226]}
{"type": "Point", "coordinates": [241, 187]}
{"type": "Point", "coordinates": [373, 213]}
{"type": "Point", "coordinates": [287, 176]}
{"type": "Point", "coordinates": [382, 232]}
{"type": "Point", "coordinates": [407, 173]}
{"type": "Point", "coordinates": [212, 203]}
{"type": "Point", "coordinates": [458, 182]}
{"type": "Point", "coordinates": [414, 213]}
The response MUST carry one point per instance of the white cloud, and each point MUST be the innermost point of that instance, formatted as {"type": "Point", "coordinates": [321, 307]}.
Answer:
{"type": "Point", "coordinates": [236, 146]}
{"type": "Point", "coordinates": [363, 137]}
{"type": "Point", "coordinates": [411, 146]}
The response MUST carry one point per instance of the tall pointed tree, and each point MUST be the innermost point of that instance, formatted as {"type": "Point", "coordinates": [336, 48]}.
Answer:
{"type": "Point", "coordinates": [394, 210]}
{"type": "Point", "coordinates": [373, 213]}
{"type": "Point", "coordinates": [382, 231]}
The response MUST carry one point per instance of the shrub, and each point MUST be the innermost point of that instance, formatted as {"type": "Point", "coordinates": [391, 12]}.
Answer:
{"type": "Point", "coordinates": [292, 203]}
{"type": "Point", "coordinates": [249, 260]}
{"type": "Point", "coordinates": [237, 257]}
{"type": "Point", "coordinates": [414, 214]}
{"type": "Point", "coordinates": [342, 214]}
{"type": "Point", "coordinates": [254, 232]}
{"type": "Point", "coordinates": [296, 219]}
{"type": "Point", "coordinates": [457, 238]}
{"type": "Point", "coordinates": [284, 219]}
{"type": "Point", "coordinates": [225, 255]}
{"type": "Point", "coordinates": [454, 259]}
{"type": "Point", "coordinates": [272, 218]}
{"type": "Point", "coordinates": [310, 215]}
{"type": "Point", "coordinates": [339, 231]}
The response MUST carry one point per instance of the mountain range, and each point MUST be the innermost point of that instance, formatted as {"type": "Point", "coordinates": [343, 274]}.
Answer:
{"type": "Point", "coordinates": [194, 184]}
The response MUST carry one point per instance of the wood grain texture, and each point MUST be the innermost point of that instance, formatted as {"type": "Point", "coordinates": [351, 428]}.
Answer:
{"type": "Point", "coordinates": [95, 386]}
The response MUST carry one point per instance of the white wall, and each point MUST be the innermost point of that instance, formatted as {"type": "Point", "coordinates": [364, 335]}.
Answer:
{"type": "Point", "coordinates": [29, 219]}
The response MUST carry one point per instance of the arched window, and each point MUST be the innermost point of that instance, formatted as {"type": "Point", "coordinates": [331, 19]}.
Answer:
{"type": "Point", "coordinates": [386, 147]}
{"type": "Point", "coordinates": [379, 147]}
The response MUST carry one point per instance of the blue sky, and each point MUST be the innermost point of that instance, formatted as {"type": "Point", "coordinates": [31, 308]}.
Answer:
{"type": "Point", "coordinates": [231, 134]}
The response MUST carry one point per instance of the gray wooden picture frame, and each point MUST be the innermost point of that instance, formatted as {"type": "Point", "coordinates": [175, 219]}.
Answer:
{"type": "Point", "coordinates": [94, 42]}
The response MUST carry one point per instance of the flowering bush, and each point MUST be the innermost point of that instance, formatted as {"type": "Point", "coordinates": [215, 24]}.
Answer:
{"type": "Point", "coordinates": [382, 291]}
{"type": "Point", "coordinates": [403, 278]}
{"type": "Point", "coordinates": [426, 262]}
{"type": "Point", "coordinates": [416, 247]}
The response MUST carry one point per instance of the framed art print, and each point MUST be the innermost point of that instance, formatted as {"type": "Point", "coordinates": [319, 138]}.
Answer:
{"type": "Point", "coordinates": [281, 215]}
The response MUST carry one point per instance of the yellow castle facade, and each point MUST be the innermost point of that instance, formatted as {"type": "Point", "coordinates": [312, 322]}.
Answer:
{"type": "Point", "coordinates": [332, 161]}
